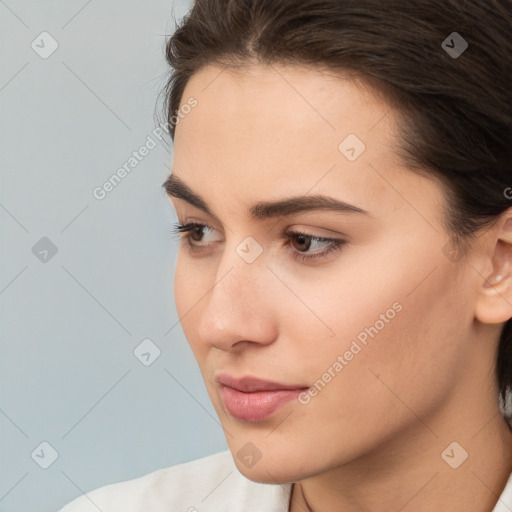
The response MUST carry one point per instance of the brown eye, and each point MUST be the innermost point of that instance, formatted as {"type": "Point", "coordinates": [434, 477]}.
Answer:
{"type": "Point", "coordinates": [303, 242]}
{"type": "Point", "coordinates": [193, 232]}
{"type": "Point", "coordinates": [196, 233]}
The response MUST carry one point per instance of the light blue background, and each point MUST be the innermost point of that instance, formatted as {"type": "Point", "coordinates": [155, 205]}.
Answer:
{"type": "Point", "coordinates": [69, 326]}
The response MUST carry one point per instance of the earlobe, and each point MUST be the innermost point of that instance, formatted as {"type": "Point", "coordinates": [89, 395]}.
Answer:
{"type": "Point", "coordinates": [494, 301]}
{"type": "Point", "coordinates": [493, 280]}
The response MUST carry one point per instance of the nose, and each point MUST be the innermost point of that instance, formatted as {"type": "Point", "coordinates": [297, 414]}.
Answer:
{"type": "Point", "coordinates": [238, 308]}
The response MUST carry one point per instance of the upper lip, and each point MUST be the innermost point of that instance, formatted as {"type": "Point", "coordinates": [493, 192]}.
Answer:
{"type": "Point", "coordinates": [249, 384]}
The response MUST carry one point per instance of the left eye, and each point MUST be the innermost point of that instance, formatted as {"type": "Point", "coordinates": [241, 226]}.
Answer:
{"type": "Point", "coordinates": [193, 233]}
{"type": "Point", "coordinates": [330, 244]}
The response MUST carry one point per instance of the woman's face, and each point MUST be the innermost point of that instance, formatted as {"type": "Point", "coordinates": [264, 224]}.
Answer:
{"type": "Point", "coordinates": [371, 338]}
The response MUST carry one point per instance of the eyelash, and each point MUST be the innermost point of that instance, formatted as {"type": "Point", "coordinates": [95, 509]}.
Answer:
{"type": "Point", "coordinates": [181, 231]}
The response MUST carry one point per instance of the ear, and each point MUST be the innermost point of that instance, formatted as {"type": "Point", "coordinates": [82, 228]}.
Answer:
{"type": "Point", "coordinates": [494, 301]}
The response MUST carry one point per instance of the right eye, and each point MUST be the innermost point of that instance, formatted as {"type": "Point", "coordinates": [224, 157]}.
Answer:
{"type": "Point", "coordinates": [192, 231]}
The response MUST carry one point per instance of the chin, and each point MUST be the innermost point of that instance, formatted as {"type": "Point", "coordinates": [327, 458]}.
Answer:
{"type": "Point", "coordinates": [265, 473]}
{"type": "Point", "coordinates": [273, 468]}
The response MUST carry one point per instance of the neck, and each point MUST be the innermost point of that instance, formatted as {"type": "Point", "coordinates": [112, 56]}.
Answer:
{"type": "Point", "coordinates": [410, 474]}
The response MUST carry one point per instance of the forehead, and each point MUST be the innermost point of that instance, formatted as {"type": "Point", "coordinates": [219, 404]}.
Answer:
{"type": "Point", "coordinates": [262, 130]}
{"type": "Point", "coordinates": [261, 100]}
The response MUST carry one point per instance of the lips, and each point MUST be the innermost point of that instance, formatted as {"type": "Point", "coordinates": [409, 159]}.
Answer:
{"type": "Point", "coordinates": [252, 399]}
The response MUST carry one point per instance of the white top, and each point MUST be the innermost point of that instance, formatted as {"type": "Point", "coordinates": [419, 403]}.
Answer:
{"type": "Point", "coordinates": [210, 484]}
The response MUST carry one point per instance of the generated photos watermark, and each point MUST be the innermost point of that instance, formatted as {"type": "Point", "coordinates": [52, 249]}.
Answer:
{"type": "Point", "coordinates": [100, 192]}
{"type": "Point", "coordinates": [355, 348]}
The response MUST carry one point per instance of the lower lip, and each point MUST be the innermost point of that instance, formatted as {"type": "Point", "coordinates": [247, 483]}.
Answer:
{"type": "Point", "coordinates": [256, 406]}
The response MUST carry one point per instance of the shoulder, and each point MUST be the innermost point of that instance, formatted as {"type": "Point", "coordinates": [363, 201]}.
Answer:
{"type": "Point", "coordinates": [504, 503]}
{"type": "Point", "coordinates": [209, 484]}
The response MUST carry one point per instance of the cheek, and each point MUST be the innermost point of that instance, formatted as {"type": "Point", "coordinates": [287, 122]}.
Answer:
{"type": "Point", "coordinates": [181, 288]}
{"type": "Point", "coordinates": [189, 289]}
{"type": "Point", "coordinates": [404, 320]}
{"type": "Point", "coordinates": [411, 359]}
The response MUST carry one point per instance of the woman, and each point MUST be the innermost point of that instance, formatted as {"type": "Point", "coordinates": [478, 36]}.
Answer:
{"type": "Point", "coordinates": [344, 276]}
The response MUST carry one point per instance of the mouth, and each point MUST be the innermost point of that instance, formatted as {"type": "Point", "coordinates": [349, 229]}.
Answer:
{"type": "Point", "coordinates": [251, 399]}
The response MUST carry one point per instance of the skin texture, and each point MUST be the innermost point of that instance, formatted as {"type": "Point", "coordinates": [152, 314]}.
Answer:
{"type": "Point", "coordinates": [372, 438]}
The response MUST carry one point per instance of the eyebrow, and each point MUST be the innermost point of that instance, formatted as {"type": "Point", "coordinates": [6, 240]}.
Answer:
{"type": "Point", "coordinates": [175, 187]}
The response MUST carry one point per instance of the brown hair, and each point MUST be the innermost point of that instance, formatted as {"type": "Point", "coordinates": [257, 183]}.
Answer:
{"type": "Point", "coordinates": [456, 100]}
